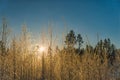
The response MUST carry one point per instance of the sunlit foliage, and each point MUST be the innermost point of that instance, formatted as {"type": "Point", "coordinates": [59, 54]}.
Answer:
{"type": "Point", "coordinates": [23, 62]}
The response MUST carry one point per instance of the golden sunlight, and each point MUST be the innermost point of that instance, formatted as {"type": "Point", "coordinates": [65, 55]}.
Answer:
{"type": "Point", "coordinates": [42, 49]}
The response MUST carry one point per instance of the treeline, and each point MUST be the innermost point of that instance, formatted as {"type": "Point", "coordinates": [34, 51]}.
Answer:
{"type": "Point", "coordinates": [20, 61]}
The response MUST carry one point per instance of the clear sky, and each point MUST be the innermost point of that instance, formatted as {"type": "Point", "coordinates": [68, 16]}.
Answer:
{"type": "Point", "coordinates": [87, 17]}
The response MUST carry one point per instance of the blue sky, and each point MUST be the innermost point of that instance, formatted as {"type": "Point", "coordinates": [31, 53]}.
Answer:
{"type": "Point", "coordinates": [87, 17]}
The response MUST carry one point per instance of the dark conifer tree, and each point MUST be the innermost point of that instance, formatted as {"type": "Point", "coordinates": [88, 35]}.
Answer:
{"type": "Point", "coordinates": [70, 39]}
{"type": "Point", "coordinates": [79, 40]}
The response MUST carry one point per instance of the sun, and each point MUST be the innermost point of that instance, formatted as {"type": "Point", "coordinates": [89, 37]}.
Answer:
{"type": "Point", "coordinates": [42, 49]}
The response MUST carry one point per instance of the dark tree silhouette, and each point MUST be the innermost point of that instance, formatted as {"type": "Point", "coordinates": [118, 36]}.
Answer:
{"type": "Point", "coordinates": [70, 39]}
{"type": "Point", "coordinates": [105, 47]}
{"type": "Point", "coordinates": [79, 40]}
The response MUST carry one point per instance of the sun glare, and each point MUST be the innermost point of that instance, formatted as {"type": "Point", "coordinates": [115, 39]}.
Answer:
{"type": "Point", "coordinates": [42, 49]}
